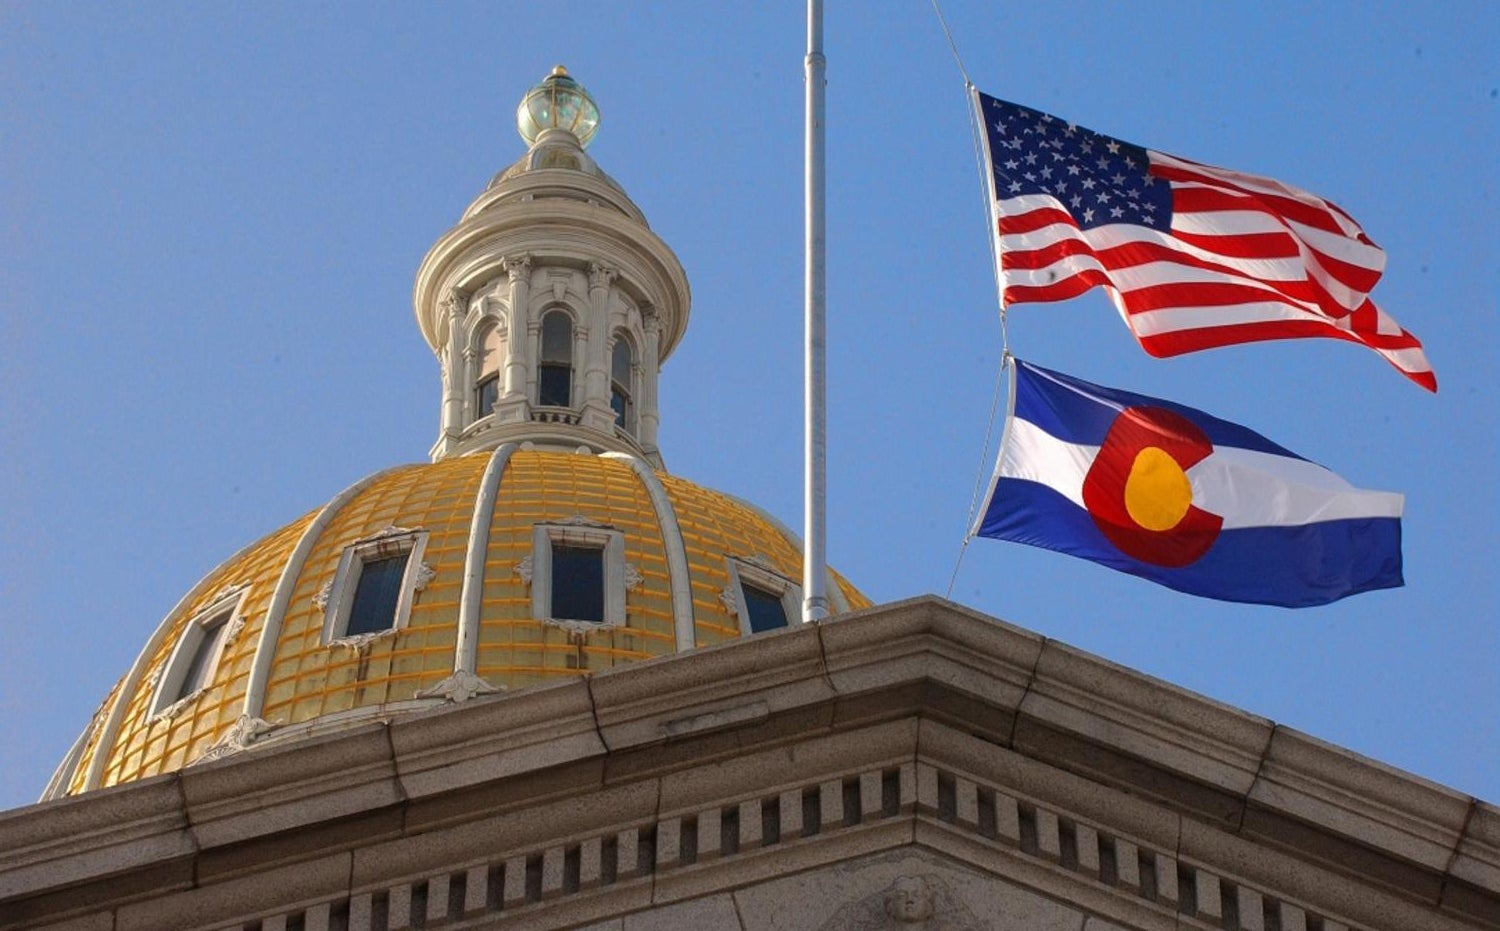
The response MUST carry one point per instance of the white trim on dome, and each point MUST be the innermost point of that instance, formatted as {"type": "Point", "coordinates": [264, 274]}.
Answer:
{"type": "Point", "coordinates": [137, 672]}
{"type": "Point", "coordinates": [611, 546]}
{"type": "Point", "coordinates": [678, 578]}
{"type": "Point", "coordinates": [392, 542]}
{"type": "Point", "coordinates": [281, 597]}
{"type": "Point", "coordinates": [471, 597]}
{"type": "Point", "coordinates": [57, 785]}
{"type": "Point", "coordinates": [220, 620]}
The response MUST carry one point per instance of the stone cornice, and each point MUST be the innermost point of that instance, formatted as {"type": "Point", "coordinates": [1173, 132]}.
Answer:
{"type": "Point", "coordinates": [924, 681]}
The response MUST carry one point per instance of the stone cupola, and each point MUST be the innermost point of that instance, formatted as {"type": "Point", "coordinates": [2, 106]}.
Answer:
{"type": "Point", "coordinates": [551, 306]}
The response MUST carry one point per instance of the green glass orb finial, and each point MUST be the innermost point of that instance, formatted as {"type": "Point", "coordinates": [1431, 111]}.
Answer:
{"type": "Point", "coordinates": [559, 102]}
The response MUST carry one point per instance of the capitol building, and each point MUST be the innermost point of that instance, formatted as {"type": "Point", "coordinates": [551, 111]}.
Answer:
{"type": "Point", "coordinates": [541, 682]}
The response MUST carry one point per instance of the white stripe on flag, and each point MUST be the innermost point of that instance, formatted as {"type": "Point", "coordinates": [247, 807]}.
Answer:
{"type": "Point", "coordinates": [1249, 488]}
{"type": "Point", "coordinates": [1245, 487]}
{"type": "Point", "coordinates": [1035, 455]}
{"type": "Point", "coordinates": [1340, 247]}
{"type": "Point", "coordinates": [1226, 222]}
{"type": "Point", "coordinates": [1172, 319]}
{"type": "Point", "coordinates": [1286, 268]}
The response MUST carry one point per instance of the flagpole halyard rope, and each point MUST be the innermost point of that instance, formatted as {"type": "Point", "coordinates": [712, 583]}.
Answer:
{"type": "Point", "coordinates": [957, 563]}
{"type": "Point", "coordinates": [975, 130]}
{"type": "Point", "coordinates": [952, 46]}
{"type": "Point", "coordinates": [1005, 360]}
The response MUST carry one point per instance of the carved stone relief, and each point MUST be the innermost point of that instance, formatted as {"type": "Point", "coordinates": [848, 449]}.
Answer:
{"type": "Point", "coordinates": [517, 266]}
{"type": "Point", "coordinates": [760, 562]}
{"type": "Point", "coordinates": [731, 600]}
{"type": "Point", "coordinates": [240, 735]}
{"type": "Point", "coordinates": [903, 890]}
{"type": "Point", "coordinates": [920, 902]}
{"type": "Point", "coordinates": [360, 643]}
{"type": "Point", "coordinates": [600, 276]}
{"type": "Point", "coordinates": [460, 687]}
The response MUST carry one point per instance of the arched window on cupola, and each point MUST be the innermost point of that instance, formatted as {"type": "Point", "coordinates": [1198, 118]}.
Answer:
{"type": "Point", "coordinates": [490, 364]}
{"type": "Point", "coordinates": [555, 368]}
{"type": "Point", "coordinates": [622, 380]}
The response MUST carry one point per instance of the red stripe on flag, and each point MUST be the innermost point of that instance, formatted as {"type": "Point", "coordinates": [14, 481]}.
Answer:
{"type": "Point", "coordinates": [1115, 259]}
{"type": "Point", "coordinates": [1178, 342]}
{"type": "Point", "coordinates": [1033, 220]}
{"type": "Point", "coordinates": [1201, 294]}
{"type": "Point", "coordinates": [1060, 290]}
{"type": "Point", "coordinates": [1032, 259]}
{"type": "Point", "coordinates": [1318, 217]}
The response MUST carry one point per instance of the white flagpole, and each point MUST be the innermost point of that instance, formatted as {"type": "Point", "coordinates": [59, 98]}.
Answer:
{"type": "Point", "coordinates": [814, 501]}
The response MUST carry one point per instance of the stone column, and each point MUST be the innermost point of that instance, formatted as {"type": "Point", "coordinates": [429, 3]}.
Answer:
{"type": "Point", "coordinates": [519, 271]}
{"type": "Point", "coordinates": [534, 353]}
{"type": "Point", "coordinates": [514, 404]}
{"type": "Point", "coordinates": [579, 390]}
{"type": "Point", "coordinates": [452, 365]}
{"type": "Point", "coordinates": [596, 410]}
{"type": "Point", "coordinates": [646, 410]}
{"type": "Point", "coordinates": [466, 370]}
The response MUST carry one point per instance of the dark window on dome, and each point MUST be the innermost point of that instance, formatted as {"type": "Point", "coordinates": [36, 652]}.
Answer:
{"type": "Point", "coordinates": [209, 636]}
{"type": "Point", "coordinates": [192, 665]}
{"type": "Point", "coordinates": [376, 585]}
{"type": "Point", "coordinates": [578, 574]}
{"type": "Point", "coordinates": [491, 362]}
{"type": "Point", "coordinates": [766, 609]}
{"type": "Point", "coordinates": [488, 391]}
{"type": "Point", "coordinates": [577, 583]}
{"type": "Point", "coordinates": [376, 595]}
{"type": "Point", "coordinates": [622, 362]}
{"type": "Point", "coordinates": [761, 597]}
{"type": "Point", "coordinates": [555, 386]}
{"type": "Point", "coordinates": [555, 368]}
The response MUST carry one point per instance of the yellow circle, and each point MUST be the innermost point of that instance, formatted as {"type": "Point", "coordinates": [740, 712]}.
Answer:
{"type": "Point", "coordinates": [1157, 491]}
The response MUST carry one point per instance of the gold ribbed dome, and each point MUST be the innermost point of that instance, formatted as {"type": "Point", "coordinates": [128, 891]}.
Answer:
{"type": "Point", "coordinates": [311, 684]}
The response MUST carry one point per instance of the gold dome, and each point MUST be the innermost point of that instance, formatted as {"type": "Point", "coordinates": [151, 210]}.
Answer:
{"type": "Point", "coordinates": [544, 542]}
{"type": "Point", "coordinates": [309, 682]}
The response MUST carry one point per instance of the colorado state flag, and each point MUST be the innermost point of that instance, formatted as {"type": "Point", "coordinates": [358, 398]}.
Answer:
{"type": "Point", "coordinates": [1182, 498]}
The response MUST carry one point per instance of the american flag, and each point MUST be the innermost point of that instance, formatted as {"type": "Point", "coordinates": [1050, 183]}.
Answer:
{"type": "Point", "coordinates": [1193, 256]}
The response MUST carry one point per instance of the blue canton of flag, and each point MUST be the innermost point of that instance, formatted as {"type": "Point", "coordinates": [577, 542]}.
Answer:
{"type": "Point", "coordinates": [1100, 179]}
{"type": "Point", "coordinates": [1182, 498]}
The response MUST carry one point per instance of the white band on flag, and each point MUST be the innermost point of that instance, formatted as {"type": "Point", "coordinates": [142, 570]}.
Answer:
{"type": "Point", "coordinates": [1245, 487]}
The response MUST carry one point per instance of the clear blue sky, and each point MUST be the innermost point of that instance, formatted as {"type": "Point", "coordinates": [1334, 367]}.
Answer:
{"type": "Point", "coordinates": [210, 216]}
